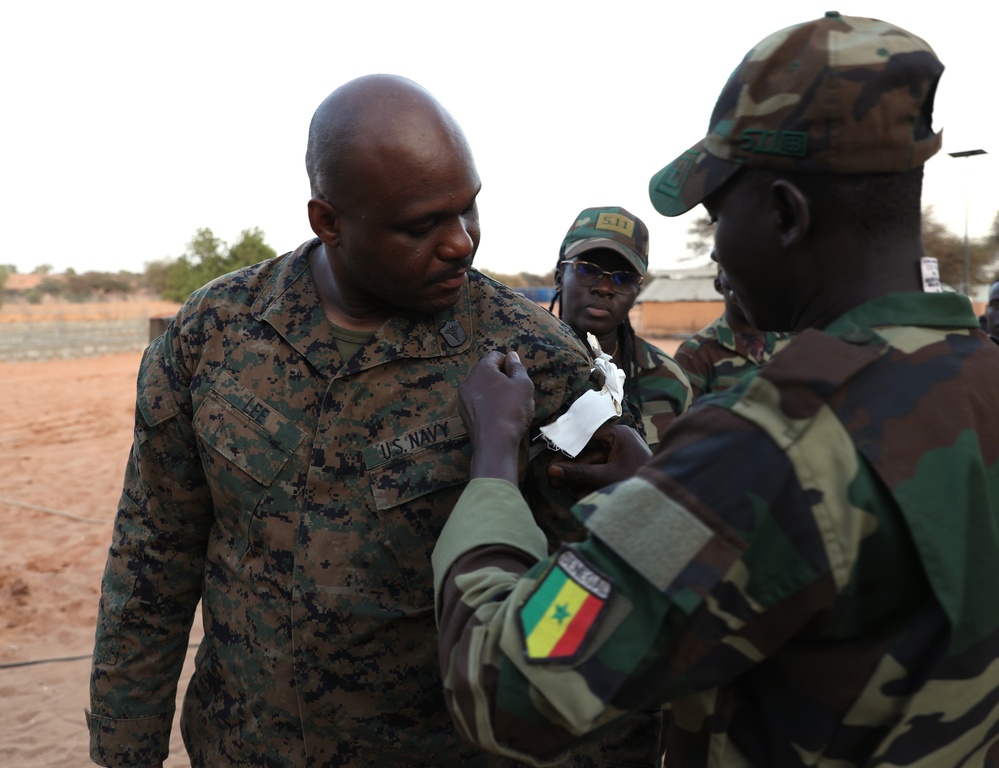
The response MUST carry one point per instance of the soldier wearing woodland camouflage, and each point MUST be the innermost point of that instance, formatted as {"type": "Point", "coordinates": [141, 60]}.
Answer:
{"type": "Point", "coordinates": [298, 449]}
{"type": "Point", "coordinates": [601, 264]}
{"type": "Point", "coordinates": [805, 569]}
{"type": "Point", "coordinates": [719, 355]}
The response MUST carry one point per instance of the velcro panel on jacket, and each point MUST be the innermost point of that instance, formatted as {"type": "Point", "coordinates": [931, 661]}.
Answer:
{"type": "Point", "coordinates": [648, 530]}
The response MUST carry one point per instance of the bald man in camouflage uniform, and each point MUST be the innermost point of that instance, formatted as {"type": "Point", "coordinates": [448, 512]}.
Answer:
{"type": "Point", "coordinates": [298, 449]}
{"type": "Point", "coordinates": [806, 567]}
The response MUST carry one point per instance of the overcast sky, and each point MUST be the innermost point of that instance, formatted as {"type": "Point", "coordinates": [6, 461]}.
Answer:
{"type": "Point", "coordinates": [126, 126]}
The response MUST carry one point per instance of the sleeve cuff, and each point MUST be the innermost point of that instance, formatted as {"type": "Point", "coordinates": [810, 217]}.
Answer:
{"type": "Point", "coordinates": [490, 511]}
{"type": "Point", "coordinates": [142, 741]}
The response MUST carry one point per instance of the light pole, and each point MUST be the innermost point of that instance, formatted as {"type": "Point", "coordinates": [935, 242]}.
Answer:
{"type": "Point", "coordinates": [966, 153]}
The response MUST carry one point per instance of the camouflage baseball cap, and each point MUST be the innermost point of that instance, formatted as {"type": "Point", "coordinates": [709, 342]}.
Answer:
{"type": "Point", "coordinates": [612, 228]}
{"type": "Point", "coordinates": [837, 95]}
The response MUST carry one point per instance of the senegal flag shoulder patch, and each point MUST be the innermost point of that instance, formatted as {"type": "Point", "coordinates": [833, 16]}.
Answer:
{"type": "Point", "coordinates": [564, 609]}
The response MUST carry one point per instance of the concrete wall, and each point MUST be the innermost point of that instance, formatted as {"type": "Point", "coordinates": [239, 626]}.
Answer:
{"type": "Point", "coordinates": [69, 339]}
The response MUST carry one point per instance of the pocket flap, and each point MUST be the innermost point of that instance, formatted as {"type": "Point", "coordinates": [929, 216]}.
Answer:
{"type": "Point", "coordinates": [246, 430]}
{"type": "Point", "coordinates": [430, 458]}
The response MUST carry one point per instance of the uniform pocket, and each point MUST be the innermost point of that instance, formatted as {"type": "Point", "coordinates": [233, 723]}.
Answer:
{"type": "Point", "coordinates": [244, 430]}
{"type": "Point", "coordinates": [423, 460]}
{"type": "Point", "coordinates": [416, 478]}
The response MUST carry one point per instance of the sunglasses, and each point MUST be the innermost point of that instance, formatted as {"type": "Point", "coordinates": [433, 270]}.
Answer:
{"type": "Point", "coordinates": [589, 274]}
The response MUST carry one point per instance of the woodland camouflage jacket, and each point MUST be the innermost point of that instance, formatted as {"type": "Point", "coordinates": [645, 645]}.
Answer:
{"type": "Point", "coordinates": [662, 387]}
{"type": "Point", "coordinates": [298, 496]}
{"type": "Point", "coordinates": [805, 569]}
{"type": "Point", "coordinates": [716, 357]}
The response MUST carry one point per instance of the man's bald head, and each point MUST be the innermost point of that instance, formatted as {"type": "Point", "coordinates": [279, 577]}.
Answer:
{"type": "Point", "coordinates": [370, 113]}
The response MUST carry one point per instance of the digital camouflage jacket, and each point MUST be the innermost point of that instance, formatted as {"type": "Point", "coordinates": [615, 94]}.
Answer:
{"type": "Point", "coordinates": [805, 569]}
{"type": "Point", "coordinates": [298, 496]}
{"type": "Point", "coordinates": [663, 388]}
{"type": "Point", "coordinates": [716, 357]}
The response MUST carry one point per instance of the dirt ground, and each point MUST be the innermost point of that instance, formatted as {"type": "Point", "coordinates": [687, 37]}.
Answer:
{"type": "Point", "coordinates": [65, 432]}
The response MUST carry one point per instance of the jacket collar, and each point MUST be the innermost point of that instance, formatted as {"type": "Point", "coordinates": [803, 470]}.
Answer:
{"type": "Point", "coordinates": [290, 304]}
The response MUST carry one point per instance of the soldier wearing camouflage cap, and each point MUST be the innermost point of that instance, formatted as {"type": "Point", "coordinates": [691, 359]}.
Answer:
{"type": "Point", "coordinates": [805, 568]}
{"type": "Point", "coordinates": [601, 264]}
{"type": "Point", "coordinates": [298, 448]}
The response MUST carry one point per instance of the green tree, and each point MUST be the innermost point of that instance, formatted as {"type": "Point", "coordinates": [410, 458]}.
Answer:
{"type": "Point", "coordinates": [197, 265]}
{"type": "Point", "coordinates": [205, 253]}
{"type": "Point", "coordinates": [249, 249]}
{"type": "Point", "coordinates": [4, 273]}
{"type": "Point", "coordinates": [206, 258]}
{"type": "Point", "coordinates": [42, 269]}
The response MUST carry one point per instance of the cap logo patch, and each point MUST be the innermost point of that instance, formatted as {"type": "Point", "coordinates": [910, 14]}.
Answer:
{"type": "Point", "coordinates": [787, 143]}
{"type": "Point", "coordinates": [675, 175]}
{"type": "Point", "coordinates": [615, 222]}
{"type": "Point", "coordinates": [564, 608]}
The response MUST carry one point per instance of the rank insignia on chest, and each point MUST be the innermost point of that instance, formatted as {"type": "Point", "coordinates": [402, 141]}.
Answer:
{"type": "Point", "coordinates": [567, 605]}
{"type": "Point", "coordinates": [453, 333]}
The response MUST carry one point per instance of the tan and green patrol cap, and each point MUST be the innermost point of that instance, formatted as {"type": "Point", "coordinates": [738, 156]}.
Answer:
{"type": "Point", "coordinates": [837, 95]}
{"type": "Point", "coordinates": [608, 227]}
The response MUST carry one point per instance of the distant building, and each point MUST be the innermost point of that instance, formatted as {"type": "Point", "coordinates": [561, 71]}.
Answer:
{"type": "Point", "coordinates": [677, 302]}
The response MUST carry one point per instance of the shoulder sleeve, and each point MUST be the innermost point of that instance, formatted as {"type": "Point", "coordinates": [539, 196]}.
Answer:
{"type": "Point", "coordinates": [681, 585]}
{"type": "Point", "coordinates": [695, 359]}
{"type": "Point", "coordinates": [489, 511]}
{"type": "Point", "coordinates": [152, 579]}
{"type": "Point", "coordinates": [665, 392]}
{"type": "Point", "coordinates": [562, 372]}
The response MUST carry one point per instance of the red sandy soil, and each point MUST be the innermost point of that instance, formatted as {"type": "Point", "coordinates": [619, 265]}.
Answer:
{"type": "Point", "coordinates": [135, 307]}
{"type": "Point", "coordinates": [65, 433]}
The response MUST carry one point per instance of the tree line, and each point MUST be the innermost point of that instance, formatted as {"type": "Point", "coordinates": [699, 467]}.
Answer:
{"type": "Point", "coordinates": [171, 278]}
{"type": "Point", "coordinates": [207, 257]}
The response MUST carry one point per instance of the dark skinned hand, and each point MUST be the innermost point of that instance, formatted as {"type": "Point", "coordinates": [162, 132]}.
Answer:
{"type": "Point", "coordinates": [496, 402]}
{"type": "Point", "coordinates": [614, 453]}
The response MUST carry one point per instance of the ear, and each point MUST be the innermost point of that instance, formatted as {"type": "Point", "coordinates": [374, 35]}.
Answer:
{"type": "Point", "coordinates": [325, 221]}
{"type": "Point", "coordinates": [793, 212]}
{"type": "Point", "coordinates": [558, 275]}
